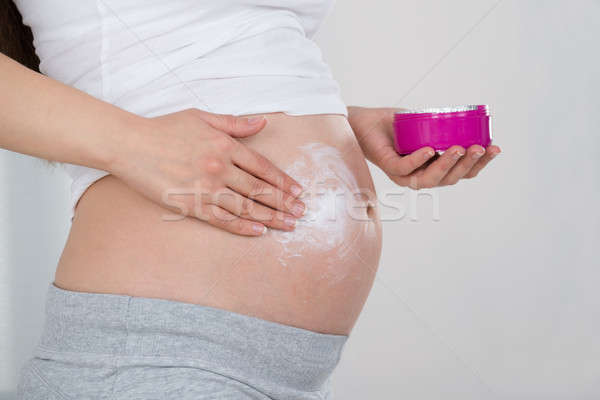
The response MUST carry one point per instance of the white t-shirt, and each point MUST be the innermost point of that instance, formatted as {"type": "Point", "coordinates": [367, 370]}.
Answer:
{"type": "Point", "coordinates": [155, 57]}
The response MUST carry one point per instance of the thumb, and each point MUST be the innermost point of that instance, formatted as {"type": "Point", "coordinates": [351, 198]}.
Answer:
{"type": "Point", "coordinates": [238, 127]}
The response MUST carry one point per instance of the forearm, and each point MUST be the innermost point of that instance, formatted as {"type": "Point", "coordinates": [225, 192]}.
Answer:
{"type": "Point", "coordinates": [45, 118]}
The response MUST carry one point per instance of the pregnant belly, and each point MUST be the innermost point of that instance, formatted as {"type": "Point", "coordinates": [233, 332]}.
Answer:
{"type": "Point", "coordinates": [317, 277]}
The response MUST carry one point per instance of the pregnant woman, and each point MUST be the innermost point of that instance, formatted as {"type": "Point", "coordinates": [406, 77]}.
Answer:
{"type": "Point", "coordinates": [225, 232]}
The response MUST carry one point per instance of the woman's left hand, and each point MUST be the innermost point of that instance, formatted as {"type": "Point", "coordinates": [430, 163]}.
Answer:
{"type": "Point", "coordinates": [374, 131]}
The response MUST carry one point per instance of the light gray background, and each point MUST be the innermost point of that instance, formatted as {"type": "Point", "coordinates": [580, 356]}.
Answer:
{"type": "Point", "coordinates": [498, 299]}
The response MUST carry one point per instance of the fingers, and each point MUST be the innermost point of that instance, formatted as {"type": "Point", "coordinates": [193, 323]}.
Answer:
{"type": "Point", "coordinates": [464, 165]}
{"type": "Point", "coordinates": [253, 211]}
{"type": "Point", "coordinates": [234, 126]}
{"type": "Point", "coordinates": [223, 219]}
{"type": "Point", "coordinates": [450, 167]}
{"type": "Point", "coordinates": [396, 165]}
{"type": "Point", "coordinates": [490, 153]}
{"type": "Point", "coordinates": [262, 168]}
{"type": "Point", "coordinates": [256, 189]}
{"type": "Point", "coordinates": [432, 176]}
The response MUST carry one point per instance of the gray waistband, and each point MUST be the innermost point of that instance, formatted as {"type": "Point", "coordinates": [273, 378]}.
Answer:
{"type": "Point", "coordinates": [124, 329]}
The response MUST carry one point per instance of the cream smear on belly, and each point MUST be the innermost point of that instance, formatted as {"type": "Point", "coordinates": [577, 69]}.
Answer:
{"type": "Point", "coordinates": [327, 228]}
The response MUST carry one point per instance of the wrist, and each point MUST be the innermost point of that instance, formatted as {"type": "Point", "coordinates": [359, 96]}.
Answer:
{"type": "Point", "coordinates": [116, 146]}
{"type": "Point", "coordinates": [353, 111]}
{"type": "Point", "coordinates": [358, 118]}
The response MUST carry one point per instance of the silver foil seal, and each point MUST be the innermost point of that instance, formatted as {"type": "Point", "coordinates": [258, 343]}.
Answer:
{"type": "Point", "coordinates": [442, 110]}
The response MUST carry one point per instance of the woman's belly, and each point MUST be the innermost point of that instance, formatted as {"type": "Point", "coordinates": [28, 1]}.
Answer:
{"type": "Point", "coordinates": [316, 277]}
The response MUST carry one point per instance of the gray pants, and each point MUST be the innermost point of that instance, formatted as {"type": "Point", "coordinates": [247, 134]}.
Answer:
{"type": "Point", "coordinates": [104, 346]}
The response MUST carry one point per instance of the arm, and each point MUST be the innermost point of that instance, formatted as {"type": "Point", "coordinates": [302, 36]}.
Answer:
{"type": "Point", "coordinates": [374, 131]}
{"type": "Point", "coordinates": [191, 151]}
{"type": "Point", "coordinates": [44, 118]}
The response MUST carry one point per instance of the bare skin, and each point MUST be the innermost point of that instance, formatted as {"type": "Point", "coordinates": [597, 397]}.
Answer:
{"type": "Point", "coordinates": [218, 254]}
{"type": "Point", "coordinates": [422, 169]}
{"type": "Point", "coordinates": [120, 243]}
{"type": "Point", "coordinates": [151, 155]}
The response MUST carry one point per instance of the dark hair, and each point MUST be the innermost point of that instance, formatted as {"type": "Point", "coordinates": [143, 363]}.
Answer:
{"type": "Point", "coordinates": [16, 39]}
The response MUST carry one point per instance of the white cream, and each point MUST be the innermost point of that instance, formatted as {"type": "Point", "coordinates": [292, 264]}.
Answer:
{"type": "Point", "coordinates": [327, 229]}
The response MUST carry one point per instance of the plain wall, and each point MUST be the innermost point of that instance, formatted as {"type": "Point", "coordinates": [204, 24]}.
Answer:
{"type": "Point", "coordinates": [498, 298]}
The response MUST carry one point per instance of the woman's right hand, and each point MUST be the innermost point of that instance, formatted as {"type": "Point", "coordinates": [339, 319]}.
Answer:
{"type": "Point", "coordinates": [190, 162]}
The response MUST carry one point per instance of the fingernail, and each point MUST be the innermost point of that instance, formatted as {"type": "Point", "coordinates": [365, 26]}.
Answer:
{"type": "Point", "coordinates": [296, 190]}
{"type": "Point", "coordinates": [457, 154]}
{"type": "Point", "coordinates": [289, 221]}
{"type": "Point", "coordinates": [259, 228]}
{"type": "Point", "coordinates": [254, 120]}
{"type": "Point", "coordinates": [478, 154]}
{"type": "Point", "coordinates": [298, 210]}
{"type": "Point", "coordinates": [429, 154]}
